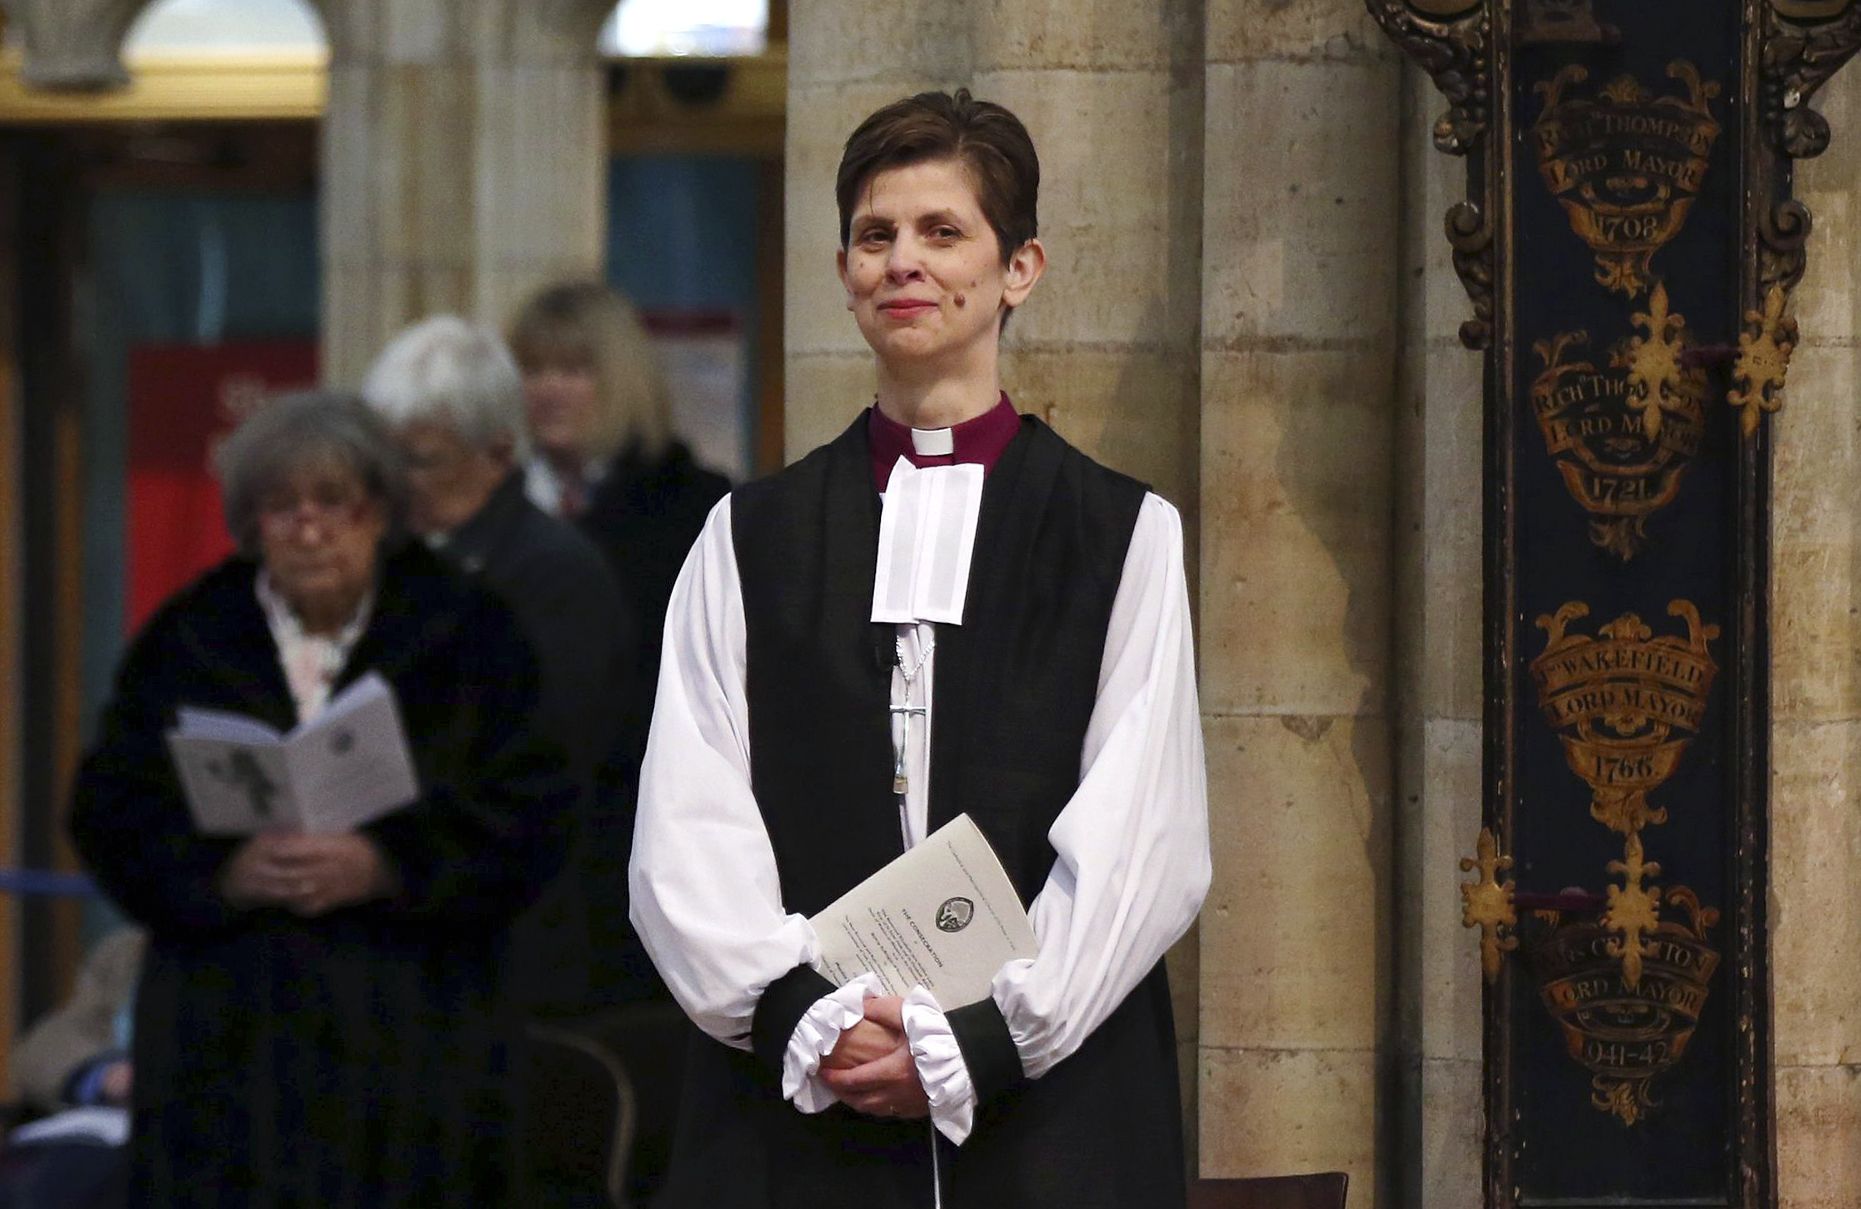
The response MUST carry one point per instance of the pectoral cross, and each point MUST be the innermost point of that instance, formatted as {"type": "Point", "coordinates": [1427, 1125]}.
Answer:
{"type": "Point", "coordinates": [903, 713]}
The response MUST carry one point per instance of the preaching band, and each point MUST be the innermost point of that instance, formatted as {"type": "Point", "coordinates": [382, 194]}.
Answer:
{"type": "Point", "coordinates": [947, 610]}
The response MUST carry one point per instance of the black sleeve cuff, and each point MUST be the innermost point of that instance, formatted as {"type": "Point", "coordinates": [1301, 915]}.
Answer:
{"type": "Point", "coordinates": [780, 1009]}
{"type": "Point", "coordinates": [988, 1048]}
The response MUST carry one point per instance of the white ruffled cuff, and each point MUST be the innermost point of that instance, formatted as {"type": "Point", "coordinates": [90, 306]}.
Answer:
{"type": "Point", "coordinates": [816, 1034]}
{"type": "Point", "coordinates": [940, 1064]}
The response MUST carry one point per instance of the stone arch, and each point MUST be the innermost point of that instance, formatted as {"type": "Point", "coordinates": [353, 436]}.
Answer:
{"type": "Point", "coordinates": [613, 10]}
{"type": "Point", "coordinates": [259, 23]}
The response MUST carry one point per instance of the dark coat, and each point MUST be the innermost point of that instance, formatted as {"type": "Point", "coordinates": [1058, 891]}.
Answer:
{"type": "Point", "coordinates": [646, 515]}
{"type": "Point", "coordinates": [574, 950]}
{"type": "Point", "coordinates": [361, 1058]}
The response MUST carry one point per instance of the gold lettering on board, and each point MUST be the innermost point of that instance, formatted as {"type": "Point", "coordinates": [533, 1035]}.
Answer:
{"type": "Point", "coordinates": [1625, 164]}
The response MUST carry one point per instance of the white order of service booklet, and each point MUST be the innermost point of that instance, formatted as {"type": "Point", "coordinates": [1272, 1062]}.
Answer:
{"type": "Point", "coordinates": [943, 916]}
{"type": "Point", "coordinates": [347, 766]}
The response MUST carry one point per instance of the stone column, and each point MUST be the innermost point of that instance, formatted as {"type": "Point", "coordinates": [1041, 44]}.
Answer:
{"type": "Point", "coordinates": [1106, 350]}
{"type": "Point", "coordinates": [1298, 419]}
{"type": "Point", "coordinates": [844, 61]}
{"type": "Point", "coordinates": [1437, 1131]}
{"type": "Point", "coordinates": [73, 44]}
{"type": "Point", "coordinates": [464, 162]}
{"type": "Point", "coordinates": [1815, 899]}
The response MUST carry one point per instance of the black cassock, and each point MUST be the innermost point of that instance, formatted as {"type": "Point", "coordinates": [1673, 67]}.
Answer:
{"type": "Point", "coordinates": [362, 1058]}
{"type": "Point", "coordinates": [1015, 689]}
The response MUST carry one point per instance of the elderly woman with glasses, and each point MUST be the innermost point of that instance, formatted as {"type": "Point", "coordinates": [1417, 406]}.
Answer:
{"type": "Point", "coordinates": [320, 1020]}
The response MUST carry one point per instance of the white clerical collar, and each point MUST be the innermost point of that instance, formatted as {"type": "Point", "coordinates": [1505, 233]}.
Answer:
{"type": "Point", "coordinates": [927, 533]}
{"type": "Point", "coordinates": [933, 442]}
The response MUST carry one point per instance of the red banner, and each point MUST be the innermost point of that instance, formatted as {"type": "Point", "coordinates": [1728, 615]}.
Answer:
{"type": "Point", "coordinates": [182, 400]}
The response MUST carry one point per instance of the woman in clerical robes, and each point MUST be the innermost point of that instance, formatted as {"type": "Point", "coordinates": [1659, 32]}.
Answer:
{"type": "Point", "coordinates": [838, 683]}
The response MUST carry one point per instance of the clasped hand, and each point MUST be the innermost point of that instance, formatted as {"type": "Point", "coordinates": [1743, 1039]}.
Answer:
{"type": "Point", "coordinates": [871, 1069]}
{"type": "Point", "coordinates": [305, 874]}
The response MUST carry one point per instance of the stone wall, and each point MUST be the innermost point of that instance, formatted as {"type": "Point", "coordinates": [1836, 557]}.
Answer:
{"type": "Point", "coordinates": [1299, 336]}
{"type": "Point", "coordinates": [1438, 544]}
{"type": "Point", "coordinates": [463, 162]}
{"type": "Point", "coordinates": [1815, 908]}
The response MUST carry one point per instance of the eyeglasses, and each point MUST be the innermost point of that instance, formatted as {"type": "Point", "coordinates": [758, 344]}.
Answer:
{"type": "Point", "coordinates": [328, 507]}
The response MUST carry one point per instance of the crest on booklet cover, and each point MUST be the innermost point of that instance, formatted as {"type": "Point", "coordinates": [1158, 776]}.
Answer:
{"type": "Point", "coordinates": [1625, 163]}
{"type": "Point", "coordinates": [955, 913]}
{"type": "Point", "coordinates": [1625, 1033]}
{"type": "Point", "coordinates": [1625, 703]}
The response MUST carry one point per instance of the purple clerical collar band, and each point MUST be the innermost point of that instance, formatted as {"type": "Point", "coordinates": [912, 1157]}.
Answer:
{"type": "Point", "coordinates": [980, 440]}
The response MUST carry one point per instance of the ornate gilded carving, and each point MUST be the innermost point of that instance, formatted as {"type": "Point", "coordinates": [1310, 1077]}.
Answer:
{"type": "Point", "coordinates": [1626, 985]}
{"type": "Point", "coordinates": [1634, 910]}
{"type": "Point", "coordinates": [1625, 164]}
{"type": "Point", "coordinates": [1654, 378]}
{"type": "Point", "coordinates": [1783, 230]}
{"type": "Point", "coordinates": [1805, 42]}
{"type": "Point", "coordinates": [1451, 40]}
{"type": "Point", "coordinates": [1616, 701]}
{"type": "Point", "coordinates": [1452, 48]}
{"type": "Point", "coordinates": [1764, 349]}
{"type": "Point", "coordinates": [1486, 904]}
{"type": "Point", "coordinates": [1624, 432]}
{"type": "Point", "coordinates": [1625, 1035]}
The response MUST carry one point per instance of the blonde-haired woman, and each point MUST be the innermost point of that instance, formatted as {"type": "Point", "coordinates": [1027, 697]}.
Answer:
{"type": "Point", "coordinates": [605, 455]}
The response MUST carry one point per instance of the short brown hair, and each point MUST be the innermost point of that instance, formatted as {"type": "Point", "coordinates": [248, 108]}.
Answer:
{"type": "Point", "coordinates": [986, 138]}
{"type": "Point", "coordinates": [586, 325]}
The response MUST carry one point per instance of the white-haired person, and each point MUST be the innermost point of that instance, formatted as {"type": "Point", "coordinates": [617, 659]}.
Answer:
{"type": "Point", "coordinates": [606, 456]}
{"type": "Point", "coordinates": [451, 393]}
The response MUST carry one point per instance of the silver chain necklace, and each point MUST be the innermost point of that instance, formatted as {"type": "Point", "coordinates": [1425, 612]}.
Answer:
{"type": "Point", "coordinates": [905, 711]}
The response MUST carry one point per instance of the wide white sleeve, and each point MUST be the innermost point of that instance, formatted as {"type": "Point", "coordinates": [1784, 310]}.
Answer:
{"type": "Point", "coordinates": [706, 898]}
{"type": "Point", "coordinates": [1132, 844]}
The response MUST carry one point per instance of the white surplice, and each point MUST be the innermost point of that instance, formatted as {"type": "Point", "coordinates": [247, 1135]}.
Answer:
{"type": "Point", "coordinates": [1132, 861]}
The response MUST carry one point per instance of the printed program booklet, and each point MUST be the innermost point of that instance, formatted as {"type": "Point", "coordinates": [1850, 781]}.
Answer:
{"type": "Point", "coordinates": [345, 767]}
{"type": "Point", "coordinates": [943, 916]}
